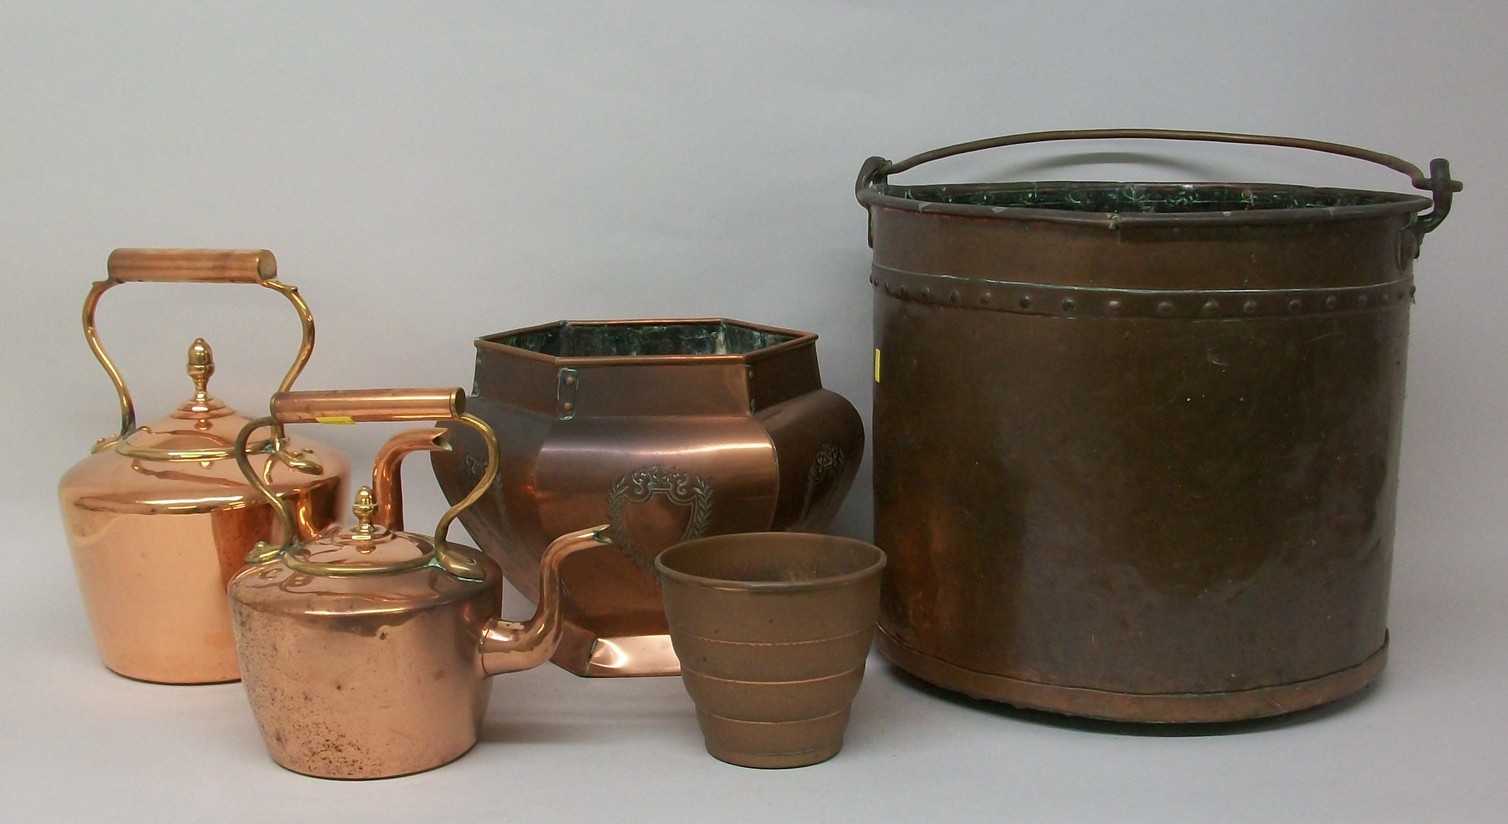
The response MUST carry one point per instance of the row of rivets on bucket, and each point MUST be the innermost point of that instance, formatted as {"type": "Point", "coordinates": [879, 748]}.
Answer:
{"type": "Point", "coordinates": [1079, 301]}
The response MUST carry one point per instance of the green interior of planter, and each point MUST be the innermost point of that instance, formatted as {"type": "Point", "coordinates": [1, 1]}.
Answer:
{"type": "Point", "coordinates": [1149, 198]}
{"type": "Point", "coordinates": [588, 340]}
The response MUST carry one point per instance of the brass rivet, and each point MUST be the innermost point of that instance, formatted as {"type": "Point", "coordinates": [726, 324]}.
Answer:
{"type": "Point", "coordinates": [1362, 300]}
{"type": "Point", "coordinates": [1026, 300]}
{"type": "Point", "coordinates": [1295, 305]}
{"type": "Point", "coordinates": [1113, 306]}
{"type": "Point", "coordinates": [1210, 307]}
{"type": "Point", "coordinates": [1165, 307]}
{"type": "Point", "coordinates": [953, 296]}
{"type": "Point", "coordinates": [986, 297]}
{"type": "Point", "coordinates": [1068, 304]}
{"type": "Point", "coordinates": [1250, 307]}
{"type": "Point", "coordinates": [568, 406]}
{"type": "Point", "coordinates": [1331, 302]}
{"type": "Point", "coordinates": [570, 380]}
{"type": "Point", "coordinates": [926, 292]}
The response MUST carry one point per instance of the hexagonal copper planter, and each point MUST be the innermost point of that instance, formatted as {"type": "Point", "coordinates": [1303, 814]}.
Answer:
{"type": "Point", "coordinates": [668, 430]}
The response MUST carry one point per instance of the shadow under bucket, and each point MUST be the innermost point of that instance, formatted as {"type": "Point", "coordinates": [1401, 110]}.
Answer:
{"type": "Point", "coordinates": [1136, 444]}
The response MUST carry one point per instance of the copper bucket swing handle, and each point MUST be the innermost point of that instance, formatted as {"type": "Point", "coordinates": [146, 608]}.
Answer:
{"type": "Point", "coordinates": [1438, 182]}
{"type": "Point", "coordinates": [349, 406]}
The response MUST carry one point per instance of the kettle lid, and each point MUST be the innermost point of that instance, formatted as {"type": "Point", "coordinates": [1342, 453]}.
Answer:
{"type": "Point", "coordinates": [201, 429]}
{"type": "Point", "coordinates": [365, 548]}
{"type": "Point", "coordinates": [179, 463]}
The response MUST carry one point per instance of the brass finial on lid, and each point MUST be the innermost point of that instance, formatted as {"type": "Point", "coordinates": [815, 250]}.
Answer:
{"type": "Point", "coordinates": [364, 508]}
{"type": "Point", "coordinates": [201, 365]}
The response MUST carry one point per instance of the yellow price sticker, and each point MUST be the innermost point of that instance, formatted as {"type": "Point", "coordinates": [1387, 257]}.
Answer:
{"type": "Point", "coordinates": [341, 420]}
{"type": "Point", "coordinates": [877, 365]}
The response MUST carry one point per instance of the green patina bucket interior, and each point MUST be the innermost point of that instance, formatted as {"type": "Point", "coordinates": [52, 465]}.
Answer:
{"type": "Point", "coordinates": [1143, 198]}
{"type": "Point", "coordinates": [590, 340]}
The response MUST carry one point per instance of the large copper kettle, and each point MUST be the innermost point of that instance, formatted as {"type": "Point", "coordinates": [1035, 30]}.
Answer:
{"type": "Point", "coordinates": [365, 650]}
{"type": "Point", "coordinates": [159, 518]}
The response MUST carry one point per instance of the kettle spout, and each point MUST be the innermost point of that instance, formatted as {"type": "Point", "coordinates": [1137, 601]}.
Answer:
{"type": "Point", "coordinates": [387, 481]}
{"type": "Point", "coordinates": [510, 646]}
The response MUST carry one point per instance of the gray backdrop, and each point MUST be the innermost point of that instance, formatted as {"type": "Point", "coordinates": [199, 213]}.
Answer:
{"type": "Point", "coordinates": [432, 172]}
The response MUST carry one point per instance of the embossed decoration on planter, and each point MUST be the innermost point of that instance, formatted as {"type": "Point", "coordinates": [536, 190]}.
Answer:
{"type": "Point", "coordinates": [630, 501]}
{"type": "Point", "coordinates": [667, 430]}
{"type": "Point", "coordinates": [827, 468]}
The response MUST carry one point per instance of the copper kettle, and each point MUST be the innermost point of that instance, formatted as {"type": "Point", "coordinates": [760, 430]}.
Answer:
{"type": "Point", "coordinates": [158, 518]}
{"type": "Point", "coordinates": [365, 650]}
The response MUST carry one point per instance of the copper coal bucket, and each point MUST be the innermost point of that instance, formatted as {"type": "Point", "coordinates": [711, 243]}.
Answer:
{"type": "Point", "coordinates": [1136, 445]}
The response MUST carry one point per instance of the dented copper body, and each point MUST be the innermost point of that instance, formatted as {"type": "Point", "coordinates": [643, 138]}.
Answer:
{"type": "Point", "coordinates": [1136, 445]}
{"type": "Point", "coordinates": [159, 517]}
{"type": "Point", "coordinates": [365, 650]}
{"type": "Point", "coordinates": [666, 430]}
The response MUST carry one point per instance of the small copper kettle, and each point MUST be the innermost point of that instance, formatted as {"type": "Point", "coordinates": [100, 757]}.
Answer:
{"type": "Point", "coordinates": [159, 518]}
{"type": "Point", "coordinates": [365, 650]}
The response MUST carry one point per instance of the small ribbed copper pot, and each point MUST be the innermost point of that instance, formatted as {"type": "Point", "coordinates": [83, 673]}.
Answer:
{"type": "Point", "coordinates": [772, 630]}
{"type": "Point", "coordinates": [365, 651]}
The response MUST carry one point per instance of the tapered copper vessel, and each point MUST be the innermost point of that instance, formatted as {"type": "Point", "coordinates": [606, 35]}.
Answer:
{"type": "Point", "coordinates": [1136, 444]}
{"type": "Point", "coordinates": [772, 630]}
{"type": "Point", "coordinates": [667, 430]}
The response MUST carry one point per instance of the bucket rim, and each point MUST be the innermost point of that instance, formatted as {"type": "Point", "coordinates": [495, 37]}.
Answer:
{"type": "Point", "coordinates": [498, 343]}
{"type": "Point", "coordinates": [883, 195]}
{"type": "Point", "coordinates": [874, 173]}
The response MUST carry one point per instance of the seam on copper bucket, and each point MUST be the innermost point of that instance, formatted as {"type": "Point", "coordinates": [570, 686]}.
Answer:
{"type": "Point", "coordinates": [1167, 707]}
{"type": "Point", "coordinates": [1025, 298]}
{"type": "Point", "coordinates": [890, 641]}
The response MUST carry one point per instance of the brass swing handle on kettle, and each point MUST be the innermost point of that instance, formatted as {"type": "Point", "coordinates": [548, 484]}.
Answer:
{"type": "Point", "coordinates": [1438, 182]}
{"type": "Point", "coordinates": [349, 406]}
{"type": "Point", "coordinates": [254, 266]}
